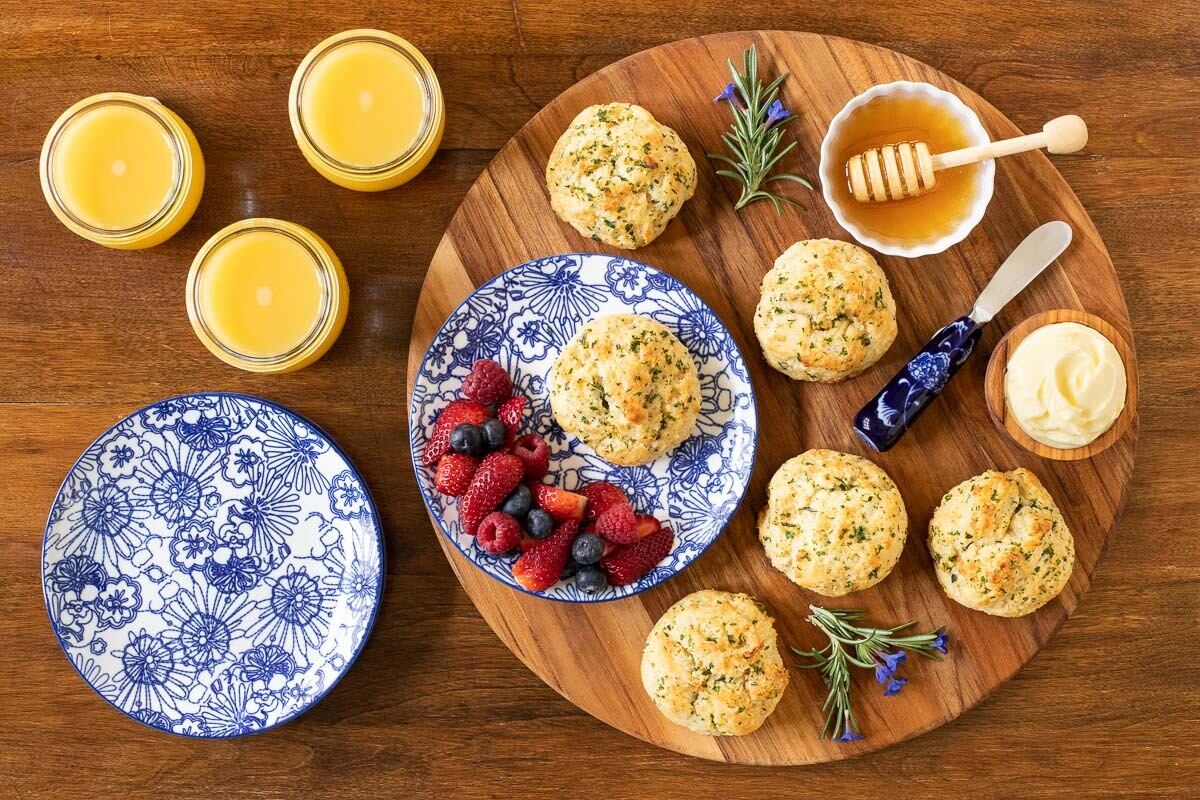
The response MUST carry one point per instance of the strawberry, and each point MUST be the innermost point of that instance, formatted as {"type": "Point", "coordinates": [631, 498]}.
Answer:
{"type": "Point", "coordinates": [534, 454]}
{"type": "Point", "coordinates": [601, 495]}
{"type": "Point", "coordinates": [498, 474]}
{"type": "Point", "coordinates": [560, 504]}
{"type": "Point", "coordinates": [498, 533]}
{"type": "Point", "coordinates": [540, 566]}
{"type": "Point", "coordinates": [646, 525]}
{"type": "Point", "coordinates": [452, 416]}
{"type": "Point", "coordinates": [454, 473]}
{"type": "Point", "coordinates": [626, 565]}
{"type": "Point", "coordinates": [512, 414]}
{"type": "Point", "coordinates": [618, 524]}
{"type": "Point", "coordinates": [487, 383]}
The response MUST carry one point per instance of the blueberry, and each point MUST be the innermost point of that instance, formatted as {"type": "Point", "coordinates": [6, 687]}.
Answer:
{"type": "Point", "coordinates": [587, 548]}
{"type": "Point", "coordinates": [569, 569]}
{"type": "Point", "coordinates": [494, 433]}
{"type": "Point", "coordinates": [467, 440]}
{"type": "Point", "coordinates": [539, 524]}
{"type": "Point", "coordinates": [518, 503]}
{"type": "Point", "coordinates": [591, 580]}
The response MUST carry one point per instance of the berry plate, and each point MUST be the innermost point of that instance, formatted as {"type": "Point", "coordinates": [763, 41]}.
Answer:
{"type": "Point", "coordinates": [522, 318]}
{"type": "Point", "coordinates": [212, 565]}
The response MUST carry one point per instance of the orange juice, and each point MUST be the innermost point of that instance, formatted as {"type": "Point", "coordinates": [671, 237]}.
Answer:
{"type": "Point", "coordinates": [122, 170]}
{"type": "Point", "coordinates": [267, 296]}
{"type": "Point", "coordinates": [366, 110]}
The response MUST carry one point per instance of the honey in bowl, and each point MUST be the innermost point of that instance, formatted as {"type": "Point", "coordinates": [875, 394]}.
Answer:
{"type": "Point", "coordinates": [890, 119]}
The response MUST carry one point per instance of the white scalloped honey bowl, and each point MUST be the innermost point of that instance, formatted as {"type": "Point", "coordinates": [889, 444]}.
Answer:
{"type": "Point", "coordinates": [833, 173]}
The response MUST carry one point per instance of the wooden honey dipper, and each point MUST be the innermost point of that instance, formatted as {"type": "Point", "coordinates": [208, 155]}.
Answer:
{"type": "Point", "coordinates": [907, 169]}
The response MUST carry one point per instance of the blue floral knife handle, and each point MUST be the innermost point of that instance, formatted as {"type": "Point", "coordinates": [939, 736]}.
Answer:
{"type": "Point", "coordinates": [884, 419]}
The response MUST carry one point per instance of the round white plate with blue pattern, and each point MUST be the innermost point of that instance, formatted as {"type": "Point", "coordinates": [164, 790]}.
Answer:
{"type": "Point", "coordinates": [522, 318]}
{"type": "Point", "coordinates": [212, 565]}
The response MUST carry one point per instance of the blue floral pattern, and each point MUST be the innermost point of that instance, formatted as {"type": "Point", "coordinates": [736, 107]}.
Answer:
{"type": "Point", "coordinates": [522, 318]}
{"type": "Point", "coordinates": [212, 565]}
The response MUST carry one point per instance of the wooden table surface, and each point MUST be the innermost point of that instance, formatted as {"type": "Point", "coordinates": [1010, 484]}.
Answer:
{"type": "Point", "coordinates": [436, 705]}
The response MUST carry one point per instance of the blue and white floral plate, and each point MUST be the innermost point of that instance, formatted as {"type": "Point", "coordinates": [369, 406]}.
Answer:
{"type": "Point", "coordinates": [212, 565]}
{"type": "Point", "coordinates": [522, 318]}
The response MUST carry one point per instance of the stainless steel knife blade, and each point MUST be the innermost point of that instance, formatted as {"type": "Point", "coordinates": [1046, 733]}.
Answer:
{"type": "Point", "coordinates": [1034, 254]}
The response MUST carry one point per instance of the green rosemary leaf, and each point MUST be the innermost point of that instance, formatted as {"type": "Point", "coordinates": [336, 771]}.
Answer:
{"type": "Point", "coordinates": [755, 134]}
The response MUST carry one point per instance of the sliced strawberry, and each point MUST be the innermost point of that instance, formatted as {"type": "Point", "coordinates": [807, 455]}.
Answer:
{"type": "Point", "coordinates": [454, 473]}
{"type": "Point", "coordinates": [512, 414]}
{"type": "Point", "coordinates": [618, 524]}
{"type": "Point", "coordinates": [560, 504]}
{"type": "Point", "coordinates": [540, 566]}
{"type": "Point", "coordinates": [452, 416]}
{"type": "Point", "coordinates": [498, 474]}
{"type": "Point", "coordinates": [632, 561]}
{"type": "Point", "coordinates": [601, 495]}
{"type": "Point", "coordinates": [534, 454]}
{"type": "Point", "coordinates": [647, 525]}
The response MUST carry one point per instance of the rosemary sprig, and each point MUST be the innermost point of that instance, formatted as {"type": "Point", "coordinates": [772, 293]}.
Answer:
{"type": "Point", "coordinates": [755, 135]}
{"type": "Point", "coordinates": [852, 644]}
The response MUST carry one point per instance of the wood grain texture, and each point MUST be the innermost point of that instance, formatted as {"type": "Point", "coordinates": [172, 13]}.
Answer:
{"type": "Point", "coordinates": [994, 394]}
{"type": "Point", "coordinates": [592, 654]}
{"type": "Point", "coordinates": [437, 705]}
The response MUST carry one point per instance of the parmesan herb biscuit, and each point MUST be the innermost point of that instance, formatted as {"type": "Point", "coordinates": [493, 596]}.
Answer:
{"type": "Point", "coordinates": [1000, 544]}
{"type": "Point", "coordinates": [712, 664]}
{"type": "Point", "coordinates": [619, 176]}
{"type": "Point", "coordinates": [627, 387]}
{"type": "Point", "coordinates": [834, 523]}
{"type": "Point", "coordinates": [826, 312]}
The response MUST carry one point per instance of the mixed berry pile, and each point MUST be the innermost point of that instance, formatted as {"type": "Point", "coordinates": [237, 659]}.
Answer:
{"type": "Point", "coordinates": [479, 455]}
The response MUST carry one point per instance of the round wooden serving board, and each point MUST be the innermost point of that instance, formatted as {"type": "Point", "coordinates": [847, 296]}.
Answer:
{"type": "Point", "coordinates": [591, 653]}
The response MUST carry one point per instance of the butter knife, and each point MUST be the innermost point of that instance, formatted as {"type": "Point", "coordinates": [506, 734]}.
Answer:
{"type": "Point", "coordinates": [884, 419]}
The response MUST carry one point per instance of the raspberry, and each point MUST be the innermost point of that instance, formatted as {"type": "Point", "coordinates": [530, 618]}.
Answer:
{"type": "Point", "coordinates": [454, 473]}
{"type": "Point", "coordinates": [534, 454]}
{"type": "Point", "coordinates": [487, 383]}
{"type": "Point", "coordinates": [512, 414]}
{"type": "Point", "coordinates": [498, 533]}
{"type": "Point", "coordinates": [451, 417]}
{"type": "Point", "coordinates": [633, 561]}
{"type": "Point", "coordinates": [618, 524]}
{"type": "Point", "coordinates": [540, 566]}
{"type": "Point", "coordinates": [497, 476]}
{"type": "Point", "coordinates": [601, 495]}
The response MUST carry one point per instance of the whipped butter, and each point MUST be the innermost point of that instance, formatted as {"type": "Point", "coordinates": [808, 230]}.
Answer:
{"type": "Point", "coordinates": [1065, 384]}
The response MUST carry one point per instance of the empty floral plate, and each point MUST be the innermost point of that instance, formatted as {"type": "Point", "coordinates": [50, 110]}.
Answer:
{"type": "Point", "coordinates": [522, 318]}
{"type": "Point", "coordinates": [212, 565]}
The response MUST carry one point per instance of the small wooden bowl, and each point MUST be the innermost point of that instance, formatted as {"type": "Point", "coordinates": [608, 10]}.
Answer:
{"type": "Point", "coordinates": [998, 364]}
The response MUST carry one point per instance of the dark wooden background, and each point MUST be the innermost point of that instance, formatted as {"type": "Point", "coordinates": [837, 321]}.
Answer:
{"type": "Point", "coordinates": [436, 706]}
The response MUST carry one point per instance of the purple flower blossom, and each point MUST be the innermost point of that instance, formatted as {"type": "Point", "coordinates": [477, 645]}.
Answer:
{"type": "Point", "coordinates": [894, 660]}
{"type": "Point", "coordinates": [776, 113]}
{"type": "Point", "coordinates": [882, 673]}
{"type": "Point", "coordinates": [941, 641]}
{"type": "Point", "coordinates": [729, 95]}
{"type": "Point", "coordinates": [894, 686]}
{"type": "Point", "coordinates": [848, 734]}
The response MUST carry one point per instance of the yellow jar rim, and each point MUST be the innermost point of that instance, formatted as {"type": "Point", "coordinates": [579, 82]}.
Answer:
{"type": "Point", "coordinates": [179, 146]}
{"type": "Point", "coordinates": [429, 133]}
{"type": "Point", "coordinates": [333, 296]}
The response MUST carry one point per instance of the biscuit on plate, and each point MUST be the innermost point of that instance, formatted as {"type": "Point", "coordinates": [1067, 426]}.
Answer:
{"type": "Point", "coordinates": [826, 312]}
{"type": "Point", "coordinates": [1000, 545]}
{"type": "Point", "coordinates": [712, 664]}
{"type": "Point", "coordinates": [834, 523]}
{"type": "Point", "coordinates": [626, 387]}
{"type": "Point", "coordinates": [618, 176]}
